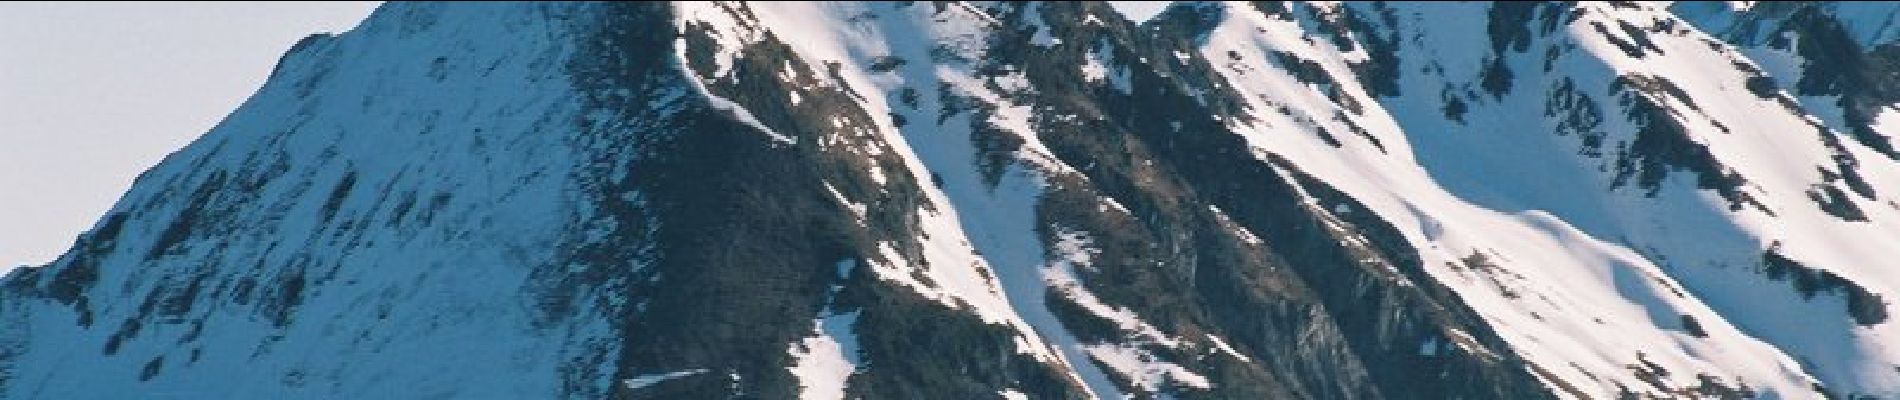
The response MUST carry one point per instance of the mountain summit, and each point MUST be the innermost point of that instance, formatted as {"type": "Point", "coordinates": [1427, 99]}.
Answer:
{"type": "Point", "coordinates": [1016, 200]}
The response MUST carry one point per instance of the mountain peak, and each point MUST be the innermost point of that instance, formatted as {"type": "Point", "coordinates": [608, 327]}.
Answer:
{"type": "Point", "coordinates": [1008, 199]}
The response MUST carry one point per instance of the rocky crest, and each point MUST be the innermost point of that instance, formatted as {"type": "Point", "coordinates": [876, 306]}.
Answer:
{"type": "Point", "coordinates": [1010, 200]}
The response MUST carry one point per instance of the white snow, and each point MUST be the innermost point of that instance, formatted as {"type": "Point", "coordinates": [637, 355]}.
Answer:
{"type": "Point", "coordinates": [1138, 367]}
{"type": "Point", "coordinates": [738, 112]}
{"type": "Point", "coordinates": [1074, 250]}
{"type": "Point", "coordinates": [1245, 235]}
{"type": "Point", "coordinates": [1456, 189]}
{"type": "Point", "coordinates": [1100, 66]}
{"type": "Point", "coordinates": [858, 210]}
{"type": "Point", "coordinates": [1222, 346]}
{"type": "Point", "coordinates": [1577, 277]}
{"type": "Point", "coordinates": [977, 231]}
{"type": "Point", "coordinates": [823, 362]}
{"type": "Point", "coordinates": [1012, 394]}
{"type": "Point", "coordinates": [406, 127]}
{"type": "Point", "coordinates": [643, 381]}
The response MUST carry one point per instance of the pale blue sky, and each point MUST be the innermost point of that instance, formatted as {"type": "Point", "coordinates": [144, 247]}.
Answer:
{"type": "Point", "coordinates": [92, 94]}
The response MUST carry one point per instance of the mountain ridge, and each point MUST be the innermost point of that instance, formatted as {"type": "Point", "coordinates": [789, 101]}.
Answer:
{"type": "Point", "coordinates": [1004, 199]}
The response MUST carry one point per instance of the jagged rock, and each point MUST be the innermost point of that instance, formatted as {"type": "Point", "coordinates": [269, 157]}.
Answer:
{"type": "Point", "coordinates": [1009, 199]}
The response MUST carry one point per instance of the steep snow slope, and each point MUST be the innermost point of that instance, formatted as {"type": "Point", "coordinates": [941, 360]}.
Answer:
{"type": "Point", "coordinates": [1836, 58]}
{"type": "Point", "coordinates": [1627, 138]}
{"type": "Point", "coordinates": [1524, 267]}
{"type": "Point", "coordinates": [1007, 199]}
{"type": "Point", "coordinates": [357, 215]}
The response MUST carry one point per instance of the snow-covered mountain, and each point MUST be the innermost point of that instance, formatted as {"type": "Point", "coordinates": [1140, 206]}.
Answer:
{"type": "Point", "coordinates": [1013, 200]}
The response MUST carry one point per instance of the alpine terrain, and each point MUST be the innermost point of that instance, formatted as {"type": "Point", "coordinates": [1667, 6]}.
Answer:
{"type": "Point", "coordinates": [1013, 200]}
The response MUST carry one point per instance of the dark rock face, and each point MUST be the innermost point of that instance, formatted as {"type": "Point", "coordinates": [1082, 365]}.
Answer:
{"type": "Point", "coordinates": [907, 200]}
{"type": "Point", "coordinates": [1663, 144]}
{"type": "Point", "coordinates": [748, 240]}
{"type": "Point", "coordinates": [1834, 64]}
{"type": "Point", "coordinates": [1865, 306]}
{"type": "Point", "coordinates": [1169, 174]}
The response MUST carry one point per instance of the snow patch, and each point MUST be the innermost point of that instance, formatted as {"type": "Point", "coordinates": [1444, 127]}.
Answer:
{"type": "Point", "coordinates": [643, 381]}
{"type": "Point", "coordinates": [1012, 394]}
{"type": "Point", "coordinates": [825, 361]}
{"type": "Point", "coordinates": [1098, 66]}
{"type": "Point", "coordinates": [1143, 370]}
{"type": "Point", "coordinates": [1222, 346]}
